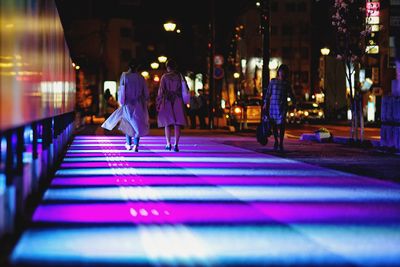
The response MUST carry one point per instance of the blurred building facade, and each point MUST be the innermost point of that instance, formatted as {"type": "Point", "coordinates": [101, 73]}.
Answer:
{"type": "Point", "coordinates": [290, 43]}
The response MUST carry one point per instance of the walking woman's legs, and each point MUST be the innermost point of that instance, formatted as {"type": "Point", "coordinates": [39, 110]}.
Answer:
{"type": "Point", "coordinates": [275, 132]}
{"type": "Point", "coordinates": [177, 134]}
{"type": "Point", "coordinates": [281, 135]}
{"type": "Point", "coordinates": [177, 129]}
{"type": "Point", "coordinates": [136, 144]}
{"type": "Point", "coordinates": [128, 144]}
{"type": "Point", "coordinates": [168, 135]}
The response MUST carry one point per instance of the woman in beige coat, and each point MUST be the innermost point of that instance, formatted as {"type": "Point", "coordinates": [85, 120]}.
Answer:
{"type": "Point", "coordinates": [133, 115]}
{"type": "Point", "coordinates": [170, 106]}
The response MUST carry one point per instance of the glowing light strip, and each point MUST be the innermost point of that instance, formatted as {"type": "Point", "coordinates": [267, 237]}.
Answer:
{"type": "Point", "coordinates": [183, 150]}
{"type": "Point", "coordinates": [224, 193]}
{"type": "Point", "coordinates": [198, 171]}
{"type": "Point", "coordinates": [157, 158]}
{"type": "Point", "coordinates": [313, 245]}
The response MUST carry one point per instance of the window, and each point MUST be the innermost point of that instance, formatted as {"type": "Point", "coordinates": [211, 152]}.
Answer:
{"type": "Point", "coordinates": [126, 32]}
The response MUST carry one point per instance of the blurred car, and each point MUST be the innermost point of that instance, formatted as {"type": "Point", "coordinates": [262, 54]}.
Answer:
{"type": "Point", "coordinates": [245, 112]}
{"type": "Point", "coordinates": [307, 111]}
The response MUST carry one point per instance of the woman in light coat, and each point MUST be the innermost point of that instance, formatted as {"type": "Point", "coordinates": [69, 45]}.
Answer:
{"type": "Point", "coordinates": [133, 115]}
{"type": "Point", "coordinates": [170, 106]}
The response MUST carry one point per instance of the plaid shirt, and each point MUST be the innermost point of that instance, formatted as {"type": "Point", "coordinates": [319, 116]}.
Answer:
{"type": "Point", "coordinates": [276, 95]}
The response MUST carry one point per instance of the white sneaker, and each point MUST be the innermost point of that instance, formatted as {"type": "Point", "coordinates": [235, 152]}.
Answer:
{"type": "Point", "coordinates": [128, 147]}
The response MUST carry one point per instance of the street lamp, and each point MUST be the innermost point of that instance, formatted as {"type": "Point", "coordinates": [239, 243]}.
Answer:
{"type": "Point", "coordinates": [154, 65]}
{"type": "Point", "coordinates": [325, 51]}
{"type": "Point", "coordinates": [145, 74]}
{"type": "Point", "coordinates": [169, 26]}
{"type": "Point", "coordinates": [162, 59]}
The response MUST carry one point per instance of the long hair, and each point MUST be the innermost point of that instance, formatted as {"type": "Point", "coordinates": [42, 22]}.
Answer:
{"type": "Point", "coordinates": [133, 64]}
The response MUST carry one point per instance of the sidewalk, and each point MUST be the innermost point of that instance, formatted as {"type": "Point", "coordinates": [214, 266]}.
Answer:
{"type": "Point", "coordinates": [211, 204]}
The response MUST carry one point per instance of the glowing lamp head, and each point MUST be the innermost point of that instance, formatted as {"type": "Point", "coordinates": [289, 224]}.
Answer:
{"type": "Point", "coordinates": [169, 26]}
{"type": "Point", "coordinates": [236, 75]}
{"type": "Point", "coordinates": [145, 74]}
{"type": "Point", "coordinates": [162, 59]}
{"type": "Point", "coordinates": [154, 65]}
{"type": "Point", "coordinates": [325, 51]}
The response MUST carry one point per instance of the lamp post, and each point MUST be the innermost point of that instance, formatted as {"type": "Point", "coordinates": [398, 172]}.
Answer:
{"type": "Point", "coordinates": [236, 76]}
{"type": "Point", "coordinates": [265, 23]}
{"type": "Point", "coordinates": [325, 52]}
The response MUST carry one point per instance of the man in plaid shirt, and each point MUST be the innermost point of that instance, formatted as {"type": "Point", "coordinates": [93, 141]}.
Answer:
{"type": "Point", "coordinates": [276, 104]}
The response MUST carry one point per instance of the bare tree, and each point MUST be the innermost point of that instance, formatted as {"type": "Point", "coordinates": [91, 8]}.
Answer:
{"type": "Point", "coordinates": [350, 20]}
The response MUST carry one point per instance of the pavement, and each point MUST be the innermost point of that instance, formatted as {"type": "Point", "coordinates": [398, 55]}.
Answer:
{"type": "Point", "coordinates": [352, 158]}
{"type": "Point", "coordinates": [221, 201]}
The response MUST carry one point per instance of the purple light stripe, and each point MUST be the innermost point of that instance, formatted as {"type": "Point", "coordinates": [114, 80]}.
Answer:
{"type": "Point", "coordinates": [125, 164]}
{"type": "Point", "coordinates": [168, 154]}
{"type": "Point", "coordinates": [160, 212]}
{"type": "Point", "coordinates": [210, 180]}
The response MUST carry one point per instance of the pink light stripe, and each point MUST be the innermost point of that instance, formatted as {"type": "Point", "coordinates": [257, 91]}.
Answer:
{"type": "Point", "coordinates": [182, 165]}
{"type": "Point", "coordinates": [161, 212]}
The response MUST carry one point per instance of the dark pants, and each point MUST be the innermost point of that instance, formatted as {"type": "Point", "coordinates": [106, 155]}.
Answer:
{"type": "Point", "coordinates": [129, 140]}
{"type": "Point", "coordinates": [202, 119]}
{"type": "Point", "coordinates": [192, 115]}
{"type": "Point", "coordinates": [281, 134]}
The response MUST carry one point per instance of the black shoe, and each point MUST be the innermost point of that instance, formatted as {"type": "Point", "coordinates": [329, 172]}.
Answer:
{"type": "Point", "coordinates": [168, 147]}
{"type": "Point", "coordinates": [136, 148]}
{"type": "Point", "coordinates": [176, 149]}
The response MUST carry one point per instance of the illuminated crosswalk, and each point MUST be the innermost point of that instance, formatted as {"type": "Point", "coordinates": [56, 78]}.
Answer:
{"type": "Point", "coordinates": [208, 205]}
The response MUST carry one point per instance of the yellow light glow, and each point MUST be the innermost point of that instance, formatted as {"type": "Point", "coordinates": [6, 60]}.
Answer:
{"type": "Point", "coordinates": [154, 65]}
{"type": "Point", "coordinates": [145, 74]}
{"type": "Point", "coordinates": [77, 67]}
{"type": "Point", "coordinates": [236, 75]}
{"type": "Point", "coordinates": [372, 20]}
{"type": "Point", "coordinates": [156, 78]}
{"type": "Point", "coordinates": [169, 26]}
{"type": "Point", "coordinates": [258, 4]}
{"type": "Point", "coordinates": [372, 49]}
{"type": "Point", "coordinates": [162, 59]}
{"type": "Point", "coordinates": [73, 65]}
{"type": "Point", "coordinates": [237, 110]}
{"type": "Point", "coordinates": [178, 31]}
{"type": "Point", "coordinates": [306, 113]}
{"type": "Point", "coordinates": [6, 65]}
{"type": "Point", "coordinates": [325, 51]}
